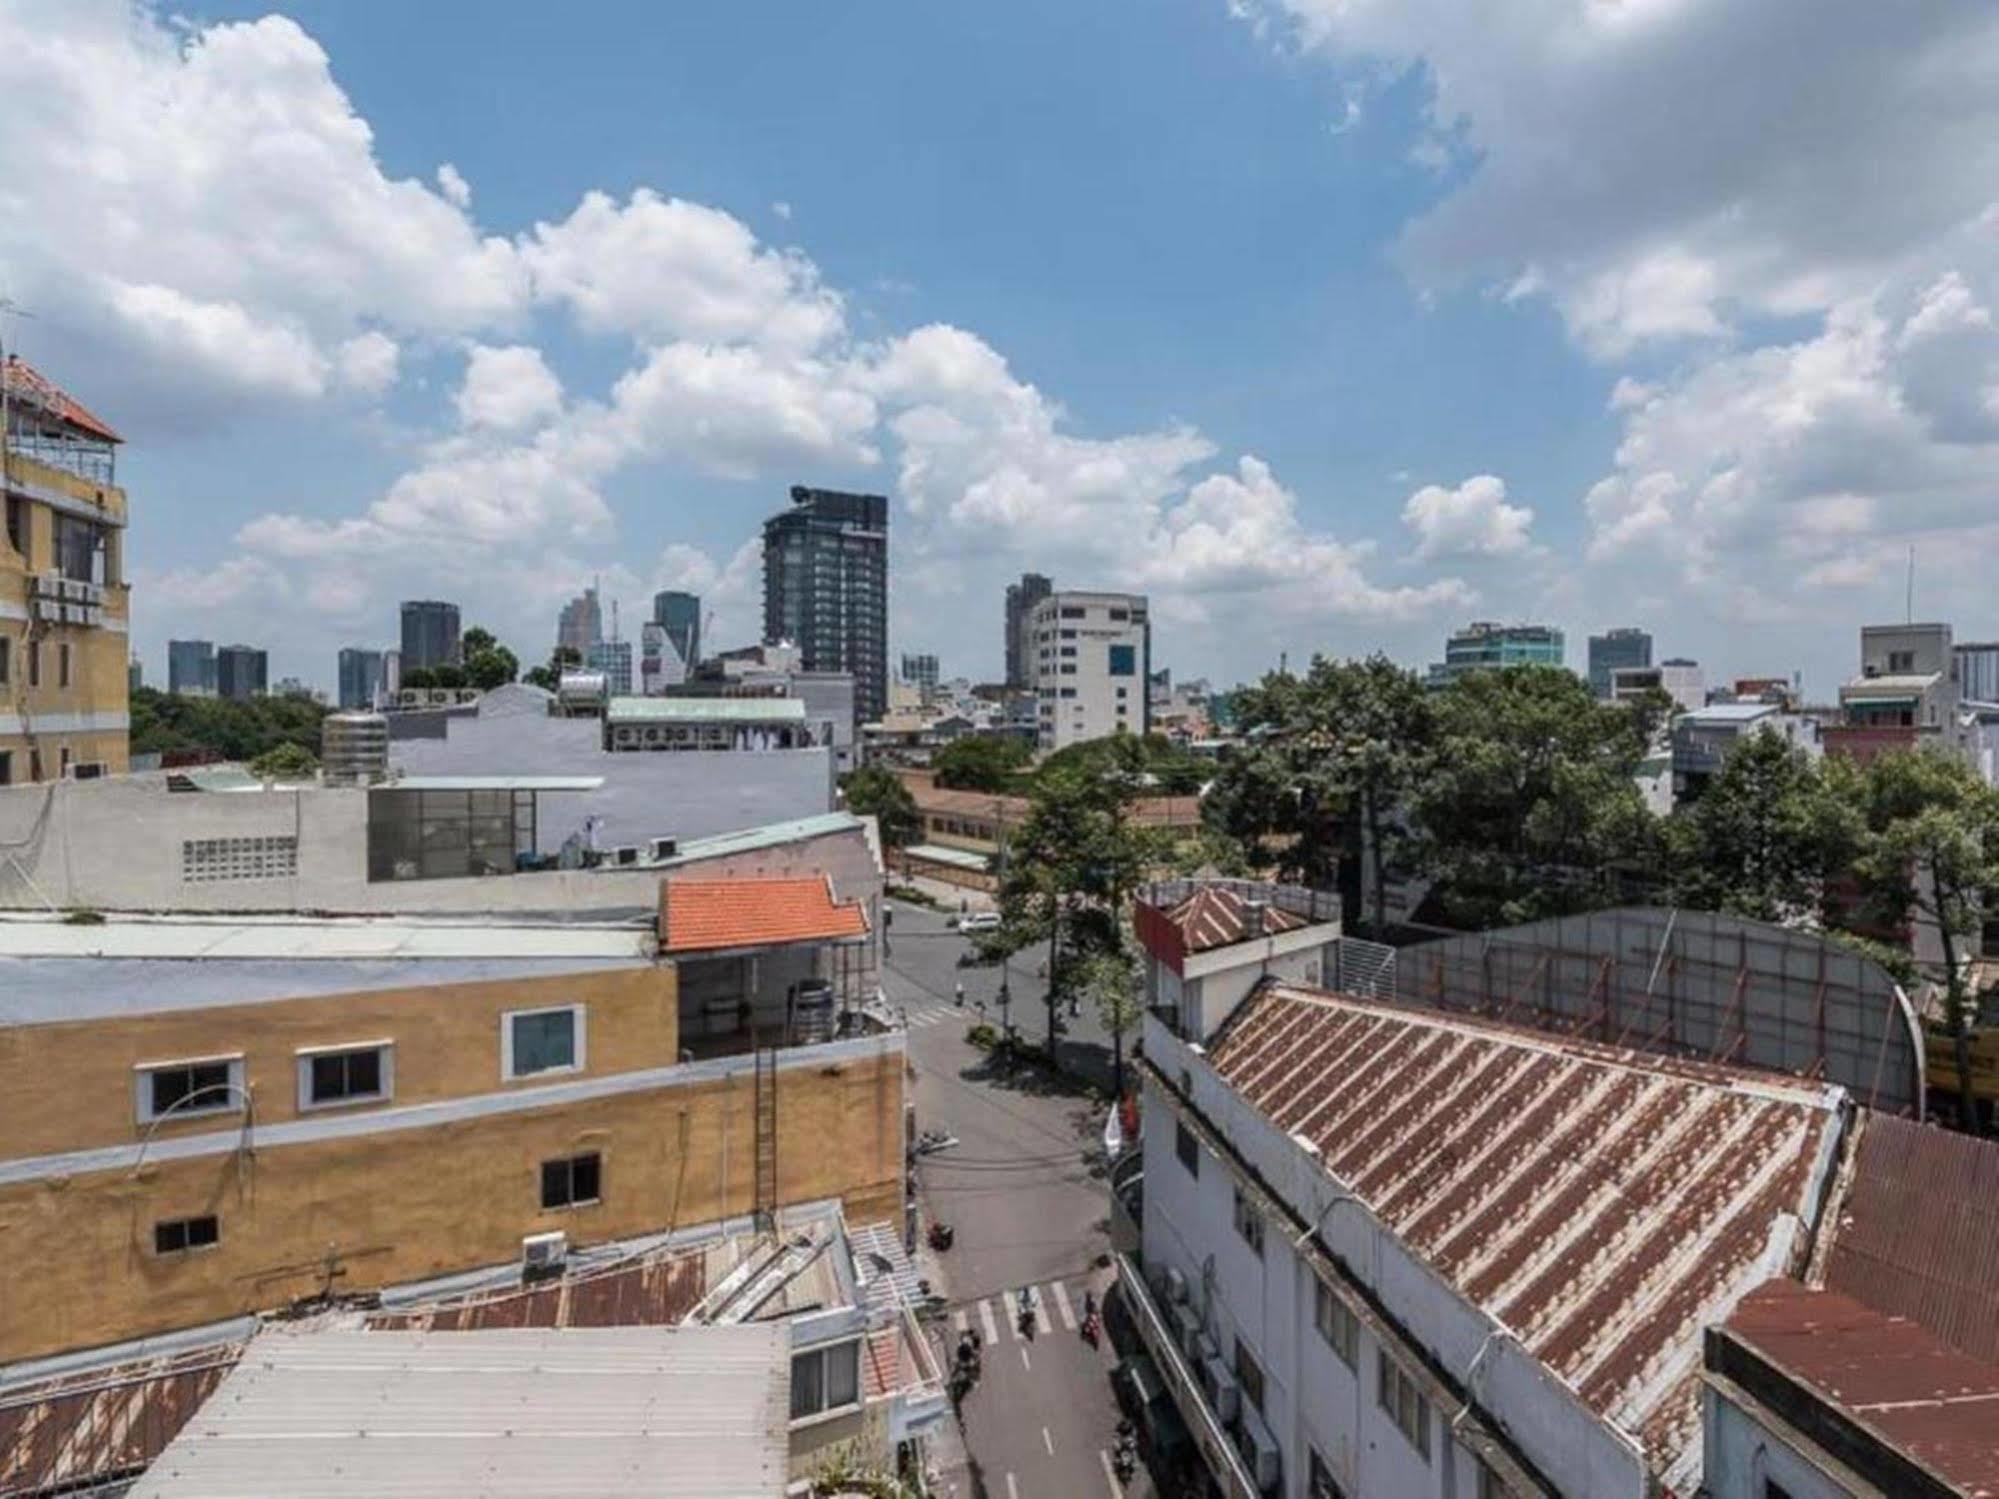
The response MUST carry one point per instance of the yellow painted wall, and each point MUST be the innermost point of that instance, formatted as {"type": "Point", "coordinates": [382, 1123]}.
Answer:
{"type": "Point", "coordinates": [98, 655]}
{"type": "Point", "coordinates": [405, 1205]}
{"type": "Point", "coordinates": [70, 1085]}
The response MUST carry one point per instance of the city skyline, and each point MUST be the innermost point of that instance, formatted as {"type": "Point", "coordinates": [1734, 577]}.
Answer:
{"type": "Point", "coordinates": [1467, 382]}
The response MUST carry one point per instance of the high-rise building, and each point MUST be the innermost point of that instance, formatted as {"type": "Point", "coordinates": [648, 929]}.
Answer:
{"type": "Point", "coordinates": [135, 675]}
{"type": "Point", "coordinates": [826, 588]}
{"type": "Point", "coordinates": [920, 671]}
{"type": "Point", "coordinates": [241, 673]}
{"type": "Point", "coordinates": [191, 667]}
{"type": "Point", "coordinates": [1613, 651]}
{"type": "Point", "coordinates": [580, 625]}
{"type": "Point", "coordinates": [1978, 670]}
{"type": "Point", "coordinates": [361, 684]}
{"type": "Point", "coordinates": [614, 659]}
{"type": "Point", "coordinates": [1092, 658]}
{"type": "Point", "coordinates": [1483, 645]}
{"type": "Point", "coordinates": [430, 634]}
{"type": "Point", "coordinates": [392, 673]}
{"type": "Point", "coordinates": [64, 603]}
{"type": "Point", "coordinates": [679, 614]}
{"type": "Point", "coordinates": [1021, 598]}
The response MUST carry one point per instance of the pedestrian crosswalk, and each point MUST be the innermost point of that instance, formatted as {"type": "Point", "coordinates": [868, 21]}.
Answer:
{"type": "Point", "coordinates": [930, 1015]}
{"type": "Point", "coordinates": [997, 1316]}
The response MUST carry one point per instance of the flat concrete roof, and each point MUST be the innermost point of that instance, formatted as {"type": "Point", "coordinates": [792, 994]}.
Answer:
{"type": "Point", "coordinates": [490, 783]}
{"type": "Point", "coordinates": [681, 1412]}
{"type": "Point", "coordinates": [136, 966]}
{"type": "Point", "coordinates": [748, 840]}
{"type": "Point", "coordinates": [705, 710]}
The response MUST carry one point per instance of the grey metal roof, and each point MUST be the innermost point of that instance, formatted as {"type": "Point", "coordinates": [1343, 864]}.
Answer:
{"type": "Point", "coordinates": [705, 710]}
{"type": "Point", "coordinates": [682, 1413]}
{"type": "Point", "coordinates": [770, 835]}
{"type": "Point", "coordinates": [1729, 713]}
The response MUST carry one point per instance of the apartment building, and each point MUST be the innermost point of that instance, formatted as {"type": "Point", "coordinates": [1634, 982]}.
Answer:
{"type": "Point", "coordinates": [826, 588]}
{"type": "Point", "coordinates": [1021, 598]}
{"type": "Point", "coordinates": [1485, 645]}
{"type": "Point", "coordinates": [191, 667]}
{"type": "Point", "coordinates": [218, 1116]}
{"type": "Point", "coordinates": [1092, 660]}
{"type": "Point", "coordinates": [1907, 692]}
{"type": "Point", "coordinates": [429, 634]}
{"type": "Point", "coordinates": [1615, 649]}
{"type": "Point", "coordinates": [1679, 679]}
{"type": "Point", "coordinates": [1393, 1250]}
{"type": "Point", "coordinates": [65, 606]}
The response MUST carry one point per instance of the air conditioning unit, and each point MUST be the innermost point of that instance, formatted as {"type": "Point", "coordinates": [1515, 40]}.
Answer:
{"type": "Point", "coordinates": [625, 854]}
{"type": "Point", "coordinates": [1186, 1327]}
{"type": "Point", "coordinates": [1176, 1285]}
{"type": "Point", "coordinates": [543, 1254]}
{"type": "Point", "coordinates": [664, 848]}
{"type": "Point", "coordinates": [1218, 1384]}
{"type": "Point", "coordinates": [1259, 1450]}
{"type": "Point", "coordinates": [86, 770]}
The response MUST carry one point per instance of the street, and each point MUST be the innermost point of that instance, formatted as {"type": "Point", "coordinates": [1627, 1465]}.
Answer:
{"type": "Point", "coordinates": [1023, 1191]}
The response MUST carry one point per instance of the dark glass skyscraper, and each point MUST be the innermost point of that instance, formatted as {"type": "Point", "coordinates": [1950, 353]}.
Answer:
{"type": "Point", "coordinates": [430, 634]}
{"type": "Point", "coordinates": [241, 673]}
{"type": "Point", "coordinates": [1614, 650]}
{"type": "Point", "coordinates": [190, 666]}
{"type": "Point", "coordinates": [826, 588]}
{"type": "Point", "coordinates": [679, 614]}
{"type": "Point", "coordinates": [1021, 598]}
{"type": "Point", "coordinates": [360, 677]}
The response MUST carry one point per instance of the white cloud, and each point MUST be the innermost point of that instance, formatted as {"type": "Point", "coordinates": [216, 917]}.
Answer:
{"type": "Point", "coordinates": [661, 268]}
{"type": "Point", "coordinates": [220, 341]}
{"type": "Point", "coordinates": [506, 389]}
{"type": "Point", "coordinates": [455, 188]}
{"type": "Point", "coordinates": [1471, 520]}
{"type": "Point", "coordinates": [368, 363]}
{"type": "Point", "coordinates": [737, 410]}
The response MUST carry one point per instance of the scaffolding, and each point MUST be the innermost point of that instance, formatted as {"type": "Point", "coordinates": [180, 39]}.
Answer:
{"type": "Point", "coordinates": [1690, 984]}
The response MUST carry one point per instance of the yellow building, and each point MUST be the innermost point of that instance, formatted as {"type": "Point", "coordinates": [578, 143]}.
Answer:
{"type": "Point", "coordinates": [212, 1117]}
{"type": "Point", "coordinates": [64, 604]}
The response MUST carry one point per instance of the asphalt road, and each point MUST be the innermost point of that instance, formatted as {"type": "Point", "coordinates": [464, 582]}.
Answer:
{"type": "Point", "coordinates": [1023, 1191]}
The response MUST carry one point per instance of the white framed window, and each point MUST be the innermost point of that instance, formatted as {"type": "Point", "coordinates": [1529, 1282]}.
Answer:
{"type": "Point", "coordinates": [1336, 1323]}
{"type": "Point", "coordinates": [534, 1043]}
{"type": "Point", "coordinates": [187, 1088]}
{"type": "Point", "coordinates": [1406, 1406]}
{"type": "Point", "coordinates": [338, 1077]}
{"type": "Point", "coordinates": [825, 1379]}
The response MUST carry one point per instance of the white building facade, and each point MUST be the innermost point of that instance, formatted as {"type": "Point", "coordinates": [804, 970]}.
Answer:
{"type": "Point", "coordinates": [1092, 659]}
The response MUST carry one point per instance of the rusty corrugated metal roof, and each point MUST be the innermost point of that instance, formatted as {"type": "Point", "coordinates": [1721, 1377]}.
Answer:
{"type": "Point", "coordinates": [99, 1424]}
{"type": "Point", "coordinates": [1215, 916]}
{"type": "Point", "coordinates": [1918, 1234]}
{"type": "Point", "coordinates": [1601, 1204]}
{"type": "Point", "coordinates": [655, 1290]}
{"type": "Point", "coordinates": [1920, 1396]}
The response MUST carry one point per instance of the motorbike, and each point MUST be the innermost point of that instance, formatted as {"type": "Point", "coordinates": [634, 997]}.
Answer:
{"type": "Point", "coordinates": [1124, 1456]}
{"type": "Point", "coordinates": [942, 1236]}
{"type": "Point", "coordinates": [1026, 1319]}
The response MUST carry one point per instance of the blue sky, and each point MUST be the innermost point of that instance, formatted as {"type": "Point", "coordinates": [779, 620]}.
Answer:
{"type": "Point", "coordinates": [1331, 325]}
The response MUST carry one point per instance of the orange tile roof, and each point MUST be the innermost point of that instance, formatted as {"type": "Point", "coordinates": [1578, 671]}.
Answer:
{"type": "Point", "coordinates": [27, 383]}
{"type": "Point", "coordinates": [710, 915]}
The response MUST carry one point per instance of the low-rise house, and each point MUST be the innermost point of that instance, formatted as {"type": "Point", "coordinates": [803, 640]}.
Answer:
{"type": "Point", "coordinates": [1704, 739]}
{"type": "Point", "coordinates": [1208, 943]}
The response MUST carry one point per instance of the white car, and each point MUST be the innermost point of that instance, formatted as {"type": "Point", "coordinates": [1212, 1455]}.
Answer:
{"type": "Point", "coordinates": [979, 921]}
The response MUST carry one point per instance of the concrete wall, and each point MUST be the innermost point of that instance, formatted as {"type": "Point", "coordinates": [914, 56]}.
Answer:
{"type": "Point", "coordinates": [69, 1085]}
{"type": "Point", "coordinates": [116, 845]}
{"type": "Point", "coordinates": [1217, 982]}
{"type": "Point", "coordinates": [688, 794]}
{"type": "Point", "coordinates": [1744, 1457]}
{"type": "Point", "coordinates": [392, 1205]}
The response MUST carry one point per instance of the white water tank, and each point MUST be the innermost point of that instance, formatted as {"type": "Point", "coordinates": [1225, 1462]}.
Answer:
{"type": "Point", "coordinates": [354, 748]}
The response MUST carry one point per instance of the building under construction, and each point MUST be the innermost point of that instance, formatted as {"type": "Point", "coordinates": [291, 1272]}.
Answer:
{"type": "Point", "coordinates": [64, 602]}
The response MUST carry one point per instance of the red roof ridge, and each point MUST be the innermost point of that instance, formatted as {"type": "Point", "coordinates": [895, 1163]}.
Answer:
{"type": "Point", "coordinates": [23, 376]}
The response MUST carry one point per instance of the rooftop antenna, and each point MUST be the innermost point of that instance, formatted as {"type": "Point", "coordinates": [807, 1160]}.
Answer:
{"type": "Point", "coordinates": [8, 308]}
{"type": "Point", "coordinates": [1909, 596]}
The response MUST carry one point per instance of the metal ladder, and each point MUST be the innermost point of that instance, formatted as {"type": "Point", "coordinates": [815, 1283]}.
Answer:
{"type": "Point", "coordinates": [766, 1103]}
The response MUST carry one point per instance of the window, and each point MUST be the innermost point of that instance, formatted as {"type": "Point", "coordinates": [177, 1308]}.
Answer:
{"type": "Point", "coordinates": [6, 659]}
{"type": "Point", "coordinates": [1249, 1374]}
{"type": "Point", "coordinates": [572, 1181]}
{"type": "Point", "coordinates": [1901, 663]}
{"type": "Point", "coordinates": [176, 1235]}
{"type": "Point", "coordinates": [1319, 1480]}
{"type": "Point", "coordinates": [208, 1085]}
{"type": "Point", "coordinates": [1068, 668]}
{"type": "Point", "coordinates": [1405, 1405]}
{"type": "Point", "coordinates": [35, 666]}
{"type": "Point", "coordinates": [6, 767]}
{"type": "Point", "coordinates": [1124, 660]}
{"type": "Point", "coordinates": [1119, 616]}
{"type": "Point", "coordinates": [1249, 1223]}
{"type": "Point", "coordinates": [825, 1379]}
{"type": "Point", "coordinates": [350, 1074]}
{"type": "Point", "coordinates": [1336, 1323]}
{"type": "Point", "coordinates": [535, 1041]}
{"type": "Point", "coordinates": [1775, 1490]}
{"type": "Point", "coordinates": [1071, 611]}
{"type": "Point", "coordinates": [62, 664]}
{"type": "Point", "coordinates": [1492, 1486]}
{"type": "Point", "coordinates": [1187, 1148]}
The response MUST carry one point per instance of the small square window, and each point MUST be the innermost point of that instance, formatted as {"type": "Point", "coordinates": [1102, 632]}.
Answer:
{"type": "Point", "coordinates": [825, 1379]}
{"type": "Point", "coordinates": [1249, 1223]}
{"type": "Point", "coordinates": [1249, 1374]}
{"type": "Point", "coordinates": [571, 1182]}
{"type": "Point", "coordinates": [1336, 1323]}
{"type": "Point", "coordinates": [1187, 1148]}
{"type": "Point", "coordinates": [177, 1235]}
{"type": "Point", "coordinates": [536, 1041]}
{"type": "Point", "coordinates": [355, 1074]}
{"type": "Point", "coordinates": [185, 1090]}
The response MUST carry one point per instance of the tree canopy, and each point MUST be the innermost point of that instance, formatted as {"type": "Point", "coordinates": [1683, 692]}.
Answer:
{"type": "Point", "coordinates": [174, 723]}
{"type": "Point", "coordinates": [878, 793]}
{"type": "Point", "coordinates": [981, 762]}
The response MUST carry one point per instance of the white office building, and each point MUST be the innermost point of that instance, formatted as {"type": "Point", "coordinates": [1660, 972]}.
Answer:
{"type": "Point", "coordinates": [1092, 659]}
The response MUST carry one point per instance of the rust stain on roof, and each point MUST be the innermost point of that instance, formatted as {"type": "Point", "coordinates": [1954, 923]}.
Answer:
{"type": "Point", "coordinates": [1890, 1374]}
{"type": "Point", "coordinates": [655, 1290]}
{"type": "Point", "coordinates": [1601, 1204]}
{"type": "Point", "coordinates": [1214, 916]}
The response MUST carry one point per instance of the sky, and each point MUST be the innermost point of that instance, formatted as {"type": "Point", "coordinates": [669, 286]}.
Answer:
{"type": "Point", "coordinates": [1330, 324]}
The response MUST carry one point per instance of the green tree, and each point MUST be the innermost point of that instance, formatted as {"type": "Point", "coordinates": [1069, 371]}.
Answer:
{"type": "Point", "coordinates": [1528, 806]}
{"type": "Point", "coordinates": [169, 723]}
{"type": "Point", "coordinates": [1766, 836]}
{"type": "Point", "coordinates": [981, 762]}
{"type": "Point", "coordinates": [878, 793]}
{"type": "Point", "coordinates": [419, 678]}
{"type": "Point", "coordinates": [1932, 854]}
{"type": "Point", "coordinates": [285, 762]}
{"type": "Point", "coordinates": [1108, 981]}
{"type": "Point", "coordinates": [548, 678]}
